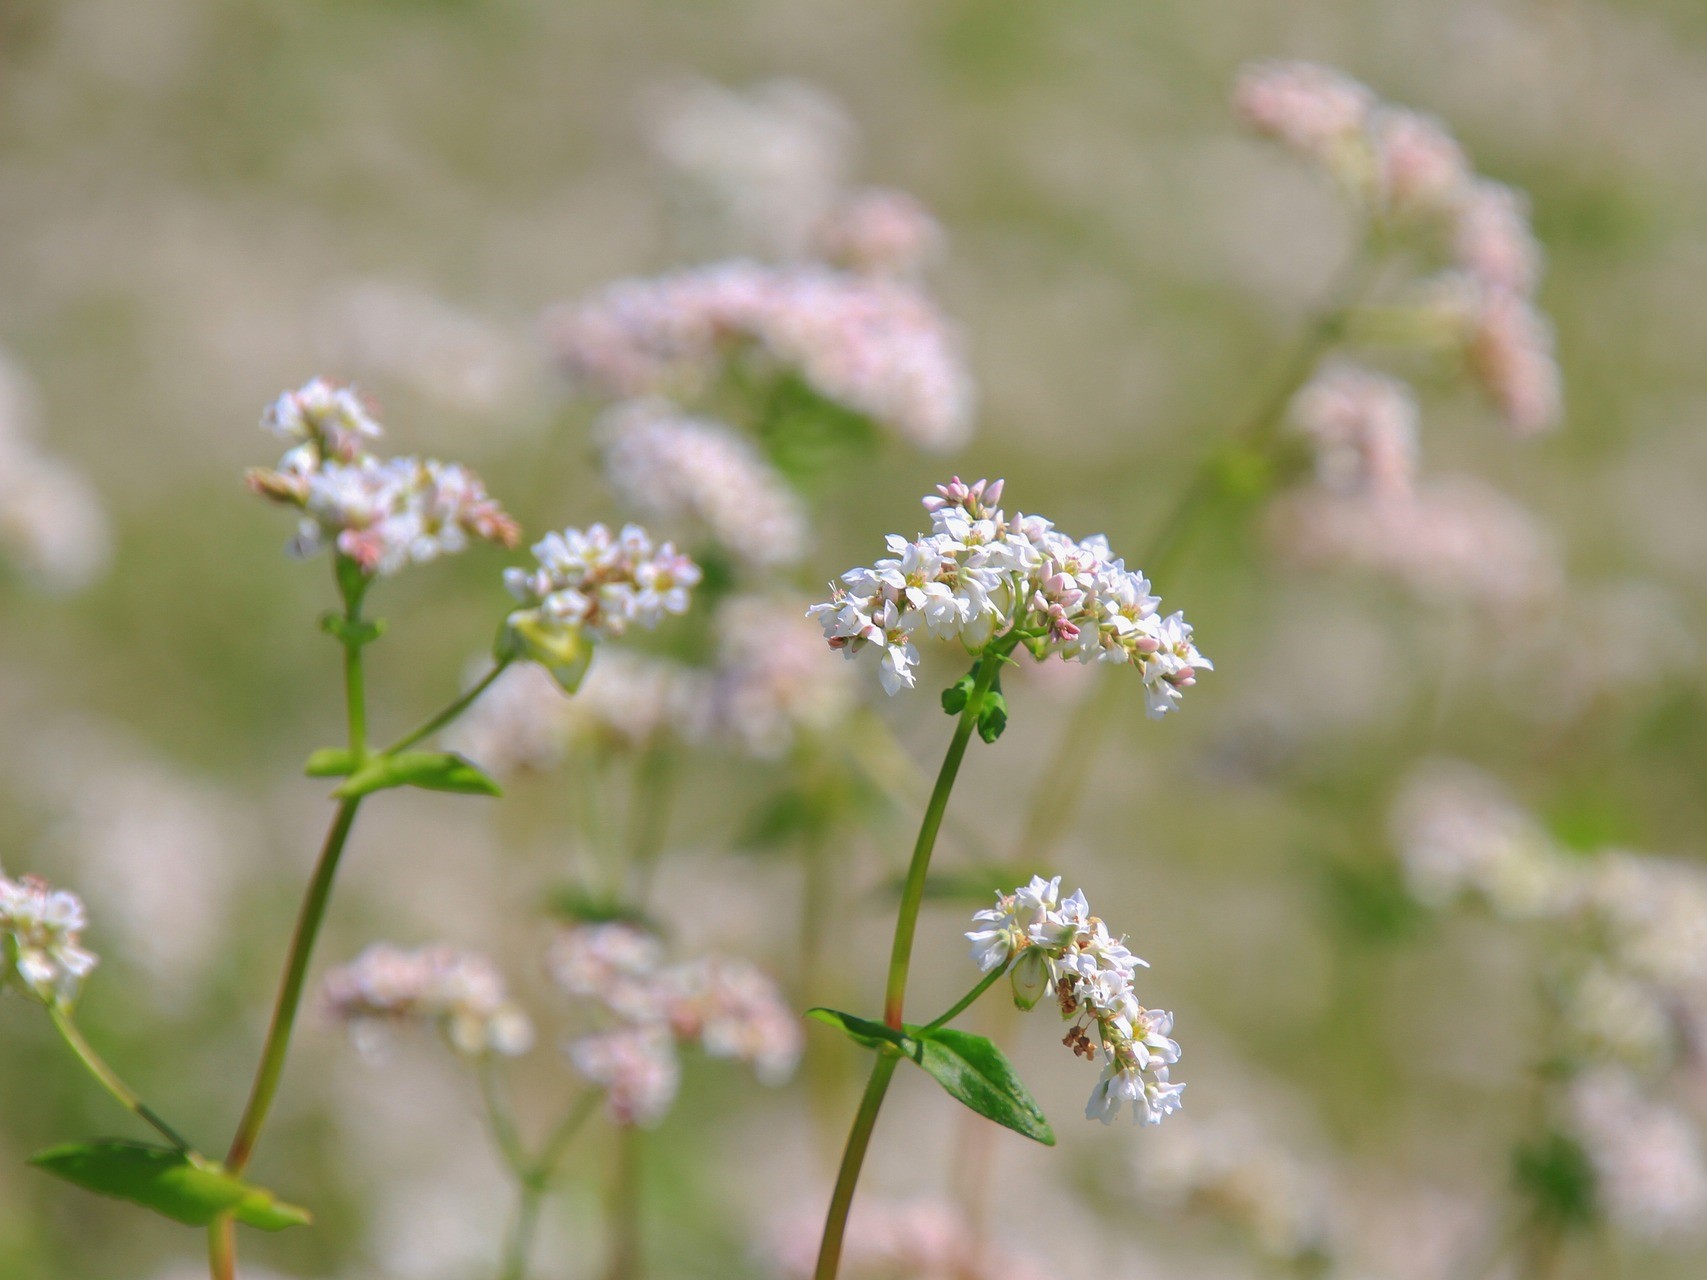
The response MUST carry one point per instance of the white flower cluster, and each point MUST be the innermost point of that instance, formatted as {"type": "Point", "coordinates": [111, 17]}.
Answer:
{"type": "Point", "coordinates": [382, 513]}
{"type": "Point", "coordinates": [878, 347]}
{"type": "Point", "coordinates": [460, 992]}
{"type": "Point", "coordinates": [1627, 968]}
{"type": "Point", "coordinates": [727, 1007]}
{"type": "Point", "coordinates": [1451, 540]}
{"type": "Point", "coordinates": [669, 465]}
{"type": "Point", "coordinates": [766, 691]}
{"type": "Point", "coordinates": [880, 231]}
{"type": "Point", "coordinates": [41, 944]}
{"type": "Point", "coordinates": [978, 577]}
{"type": "Point", "coordinates": [1055, 946]}
{"type": "Point", "coordinates": [1649, 1171]}
{"type": "Point", "coordinates": [1460, 834]}
{"type": "Point", "coordinates": [1363, 428]}
{"type": "Point", "coordinates": [52, 525]}
{"type": "Point", "coordinates": [592, 585]}
{"type": "Point", "coordinates": [1406, 170]}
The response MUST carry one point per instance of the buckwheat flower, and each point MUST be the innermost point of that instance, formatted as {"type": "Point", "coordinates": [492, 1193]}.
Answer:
{"type": "Point", "coordinates": [769, 687]}
{"type": "Point", "coordinates": [592, 585]}
{"type": "Point", "coordinates": [459, 992]}
{"type": "Point", "coordinates": [1420, 168]}
{"type": "Point", "coordinates": [1454, 540]}
{"type": "Point", "coordinates": [41, 947]}
{"type": "Point", "coordinates": [1492, 240]}
{"type": "Point", "coordinates": [1313, 110]}
{"type": "Point", "coordinates": [381, 513]}
{"type": "Point", "coordinates": [1460, 833]}
{"type": "Point", "coordinates": [1363, 427]}
{"type": "Point", "coordinates": [1057, 947]}
{"type": "Point", "coordinates": [978, 578]}
{"type": "Point", "coordinates": [618, 964]}
{"type": "Point", "coordinates": [1612, 1015]}
{"type": "Point", "coordinates": [671, 466]}
{"type": "Point", "coordinates": [1510, 350]}
{"type": "Point", "coordinates": [753, 168]}
{"type": "Point", "coordinates": [334, 420]}
{"type": "Point", "coordinates": [1649, 1173]}
{"type": "Point", "coordinates": [880, 231]}
{"type": "Point", "coordinates": [637, 1068]}
{"type": "Point", "coordinates": [733, 1010]}
{"type": "Point", "coordinates": [876, 346]}
{"type": "Point", "coordinates": [1652, 916]}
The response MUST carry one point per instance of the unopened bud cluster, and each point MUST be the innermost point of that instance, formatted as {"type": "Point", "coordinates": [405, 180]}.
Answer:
{"type": "Point", "coordinates": [1055, 947]}
{"type": "Point", "coordinates": [380, 513]}
{"type": "Point", "coordinates": [41, 948]}
{"type": "Point", "coordinates": [459, 992]}
{"type": "Point", "coordinates": [727, 1007]}
{"type": "Point", "coordinates": [978, 577]}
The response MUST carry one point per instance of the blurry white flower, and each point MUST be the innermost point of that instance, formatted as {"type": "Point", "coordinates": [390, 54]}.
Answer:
{"type": "Point", "coordinates": [52, 523]}
{"type": "Point", "coordinates": [1652, 914]}
{"type": "Point", "coordinates": [671, 466]}
{"type": "Point", "coordinates": [41, 939]}
{"type": "Point", "coordinates": [1613, 1015]}
{"type": "Point", "coordinates": [1420, 168]}
{"type": "Point", "coordinates": [879, 231]}
{"type": "Point", "coordinates": [458, 991]}
{"type": "Point", "coordinates": [1314, 110]}
{"type": "Point", "coordinates": [447, 354]}
{"type": "Point", "coordinates": [733, 1010]}
{"type": "Point", "coordinates": [876, 346]}
{"type": "Point", "coordinates": [770, 685]}
{"type": "Point", "coordinates": [977, 576]}
{"type": "Point", "coordinates": [636, 1066]}
{"type": "Point", "coordinates": [757, 168]}
{"type": "Point", "coordinates": [1459, 832]}
{"type": "Point", "coordinates": [1649, 1174]}
{"type": "Point", "coordinates": [1363, 426]}
{"type": "Point", "coordinates": [1510, 348]}
{"type": "Point", "coordinates": [1453, 540]}
{"type": "Point", "coordinates": [918, 1239]}
{"type": "Point", "coordinates": [1492, 239]}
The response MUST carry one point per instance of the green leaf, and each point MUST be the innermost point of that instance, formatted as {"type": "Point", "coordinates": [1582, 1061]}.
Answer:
{"type": "Point", "coordinates": [954, 697]}
{"type": "Point", "coordinates": [581, 906]}
{"type": "Point", "coordinates": [430, 770]}
{"type": "Point", "coordinates": [330, 762]}
{"type": "Point", "coordinates": [356, 635]}
{"type": "Point", "coordinates": [181, 1187]}
{"type": "Point", "coordinates": [873, 1035]}
{"type": "Point", "coordinates": [992, 716]}
{"type": "Point", "coordinates": [1557, 1176]}
{"type": "Point", "coordinates": [973, 1070]}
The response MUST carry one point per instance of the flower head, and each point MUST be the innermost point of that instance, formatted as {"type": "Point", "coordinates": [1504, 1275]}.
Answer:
{"type": "Point", "coordinates": [1056, 947]}
{"type": "Point", "coordinates": [41, 939]}
{"type": "Point", "coordinates": [591, 585]}
{"type": "Point", "coordinates": [1314, 110]}
{"type": "Point", "coordinates": [380, 513]}
{"type": "Point", "coordinates": [460, 992]}
{"type": "Point", "coordinates": [978, 576]}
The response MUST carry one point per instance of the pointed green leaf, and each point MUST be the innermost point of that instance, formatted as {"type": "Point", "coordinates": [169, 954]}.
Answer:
{"type": "Point", "coordinates": [873, 1035]}
{"type": "Point", "coordinates": [973, 1070]}
{"type": "Point", "coordinates": [431, 770]}
{"type": "Point", "coordinates": [992, 716]}
{"type": "Point", "coordinates": [330, 762]}
{"type": "Point", "coordinates": [181, 1187]}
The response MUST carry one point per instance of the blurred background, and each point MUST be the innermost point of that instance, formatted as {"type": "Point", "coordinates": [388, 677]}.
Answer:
{"type": "Point", "coordinates": [207, 203]}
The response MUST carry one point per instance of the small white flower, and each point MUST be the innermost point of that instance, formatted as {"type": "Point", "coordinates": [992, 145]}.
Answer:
{"type": "Point", "coordinates": [41, 934]}
{"type": "Point", "coordinates": [460, 992]}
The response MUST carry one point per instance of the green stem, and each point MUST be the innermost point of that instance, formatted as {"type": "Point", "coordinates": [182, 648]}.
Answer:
{"type": "Point", "coordinates": [289, 1001]}
{"type": "Point", "coordinates": [451, 712]}
{"type": "Point", "coordinates": [557, 1145]}
{"type": "Point", "coordinates": [109, 1078]}
{"type": "Point", "coordinates": [912, 896]}
{"type": "Point", "coordinates": [520, 1241]}
{"type": "Point", "coordinates": [352, 585]}
{"type": "Point", "coordinates": [222, 1249]}
{"type": "Point", "coordinates": [533, 1179]}
{"type": "Point", "coordinates": [624, 1208]}
{"type": "Point", "coordinates": [966, 1001]}
{"type": "Point", "coordinates": [503, 1123]}
{"type": "Point", "coordinates": [853, 1158]}
{"type": "Point", "coordinates": [648, 818]}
